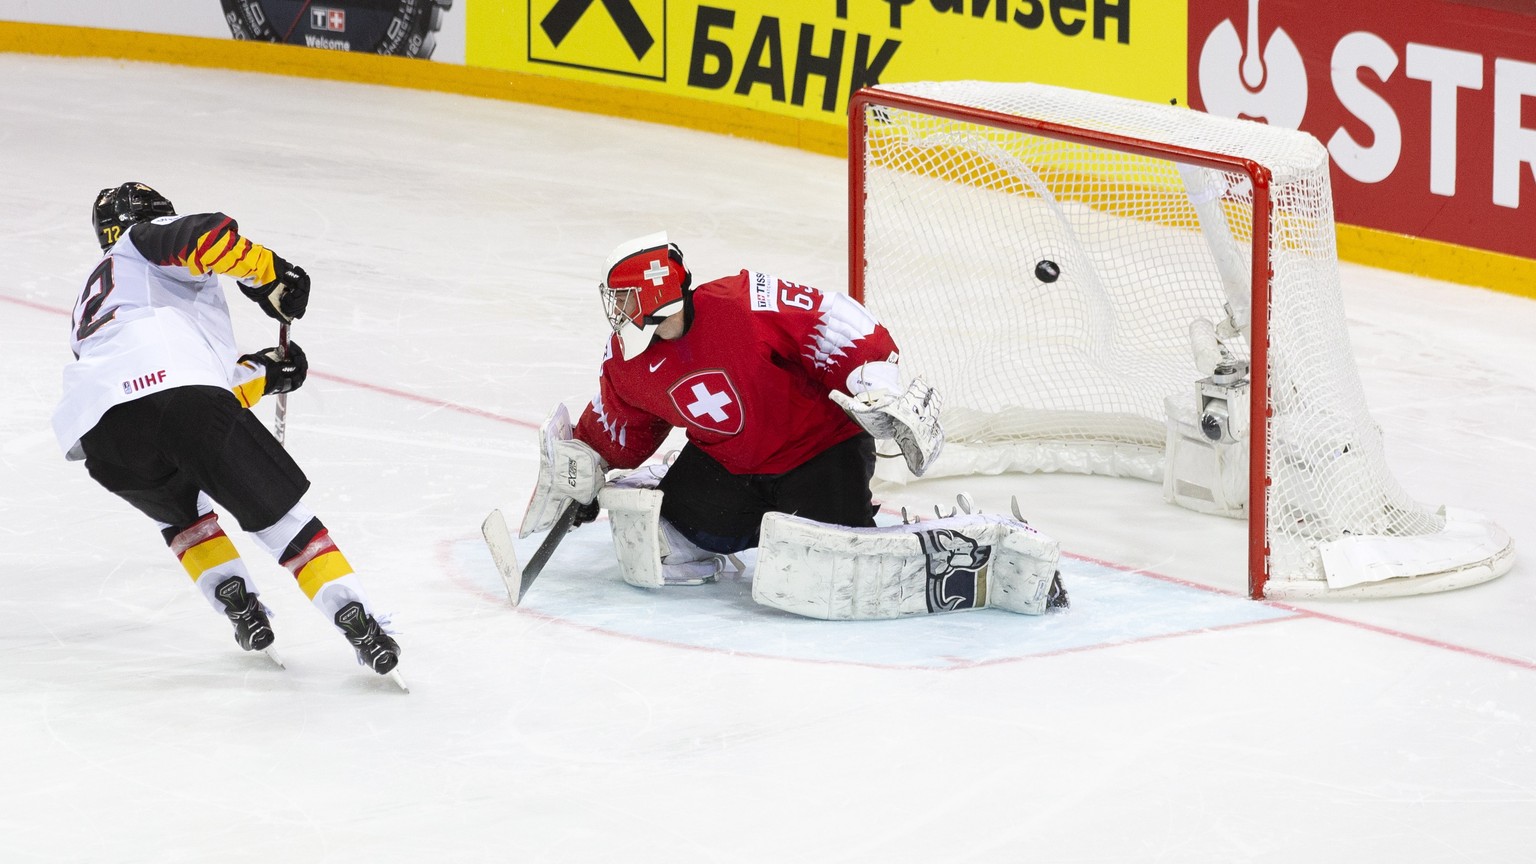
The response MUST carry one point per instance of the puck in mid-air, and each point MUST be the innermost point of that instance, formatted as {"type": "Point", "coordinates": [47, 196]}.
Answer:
{"type": "Point", "coordinates": [1047, 271]}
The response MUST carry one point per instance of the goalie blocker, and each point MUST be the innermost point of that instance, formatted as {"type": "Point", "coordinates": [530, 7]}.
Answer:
{"type": "Point", "coordinates": [568, 471]}
{"type": "Point", "coordinates": [971, 561]}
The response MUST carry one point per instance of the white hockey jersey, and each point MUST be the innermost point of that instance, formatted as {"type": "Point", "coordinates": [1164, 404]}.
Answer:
{"type": "Point", "coordinates": [153, 316]}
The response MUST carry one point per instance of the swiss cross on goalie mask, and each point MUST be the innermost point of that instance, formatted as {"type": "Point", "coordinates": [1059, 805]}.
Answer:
{"type": "Point", "coordinates": [709, 401]}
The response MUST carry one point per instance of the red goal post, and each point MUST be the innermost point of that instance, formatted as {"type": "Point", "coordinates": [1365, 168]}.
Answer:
{"type": "Point", "coordinates": [1080, 275]}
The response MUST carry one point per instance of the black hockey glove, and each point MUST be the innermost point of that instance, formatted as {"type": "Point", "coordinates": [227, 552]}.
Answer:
{"type": "Point", "coordinates": [285, 375]}
{"type": "Point", "coordinates": [284, 298]}
{"type": "Point", "coordinates": [585, 512]}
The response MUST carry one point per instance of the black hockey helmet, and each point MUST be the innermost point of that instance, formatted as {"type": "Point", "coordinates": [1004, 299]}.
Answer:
{"type": "Point", "coordinates": [117, 207]}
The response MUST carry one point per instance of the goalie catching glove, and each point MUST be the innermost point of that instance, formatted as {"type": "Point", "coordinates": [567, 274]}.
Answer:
{"type": "Point", "coordinates": [910, 416]}
{"type": "Point", "coordinates": [569, 470]}
{"type": "Point", "coordinates": [284, 298]}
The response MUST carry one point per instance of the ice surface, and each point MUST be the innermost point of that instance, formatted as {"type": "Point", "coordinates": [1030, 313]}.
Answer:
{"type": "Point", "coordinates": [455, 245]}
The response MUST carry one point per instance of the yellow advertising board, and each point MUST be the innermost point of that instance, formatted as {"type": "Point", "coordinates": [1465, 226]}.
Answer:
{"type": "Point", "coordinates": [803, 58]}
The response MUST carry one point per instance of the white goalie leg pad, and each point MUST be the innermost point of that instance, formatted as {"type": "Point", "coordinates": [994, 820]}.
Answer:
{"type": "Point", "coordinates": [944, 565]}
{"type": "Point", "coordinates": [634, 515]}
{"type": "Point", "coordinates": [651, 553]}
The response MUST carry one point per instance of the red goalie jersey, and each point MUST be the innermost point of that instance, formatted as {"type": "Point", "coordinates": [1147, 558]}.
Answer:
{"type": "Point", "coordinates": [748, 381]}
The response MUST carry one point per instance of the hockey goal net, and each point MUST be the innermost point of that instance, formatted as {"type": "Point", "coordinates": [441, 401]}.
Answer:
{"type": "Point", "coordinates": [1105, 286]}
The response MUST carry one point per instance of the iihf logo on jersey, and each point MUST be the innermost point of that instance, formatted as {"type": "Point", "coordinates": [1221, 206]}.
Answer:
{"type": "Point", "coordinates": [957, 570]}
{"type": "Point", "coordinates": [144, 381]}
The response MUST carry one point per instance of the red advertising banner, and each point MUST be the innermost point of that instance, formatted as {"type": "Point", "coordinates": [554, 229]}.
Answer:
{"type": "Point", "coordinates": [1428, 107]}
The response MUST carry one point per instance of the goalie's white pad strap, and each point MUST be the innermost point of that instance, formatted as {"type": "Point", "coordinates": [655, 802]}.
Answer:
{"type": "Point", "coordinates": [652, 553]}
{"type": "Point", "coordinates": [943, 565]}
{"type": "Point", "coordinates": [544, 506]}
{"type": "Point", "coordinates": [911, 418]}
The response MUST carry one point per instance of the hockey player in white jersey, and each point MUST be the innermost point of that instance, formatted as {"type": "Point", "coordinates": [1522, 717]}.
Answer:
{"type": "Point", "coordinates": [155, 403]}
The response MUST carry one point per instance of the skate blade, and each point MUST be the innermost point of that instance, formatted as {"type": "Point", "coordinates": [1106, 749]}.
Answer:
{"type": "Point", "coordinates": [395, 676]}
{"type": "Point", "coordinates": [275, 657]}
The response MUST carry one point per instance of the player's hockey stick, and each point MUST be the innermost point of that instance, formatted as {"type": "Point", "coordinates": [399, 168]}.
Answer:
{"type": "Point", "coordinates": [280, 420]}
{"type": "Point", "coordinates": [499, 540]}
{"type": "Point", "coordinates": [279, 429]}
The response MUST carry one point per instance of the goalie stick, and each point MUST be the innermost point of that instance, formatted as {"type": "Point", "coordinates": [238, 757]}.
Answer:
{"type": "Point", "coordinates": [499, 540]}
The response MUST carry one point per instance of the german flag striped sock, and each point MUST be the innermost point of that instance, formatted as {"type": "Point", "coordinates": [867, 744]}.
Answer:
{"type": "Point", "coordinates": [317, 562]}
{"type": "Point", "coordinates": [204, 547]}
{"type": "Point", "coordinates": [209, 557]}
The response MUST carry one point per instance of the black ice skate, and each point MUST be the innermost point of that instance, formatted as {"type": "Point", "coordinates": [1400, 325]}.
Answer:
{"type": "Point", "coordinates": [252, 629]}
{"type": "Point", "coordinates": [375, 648]}
{"type": "Point", "coordinates": [1056, 598]}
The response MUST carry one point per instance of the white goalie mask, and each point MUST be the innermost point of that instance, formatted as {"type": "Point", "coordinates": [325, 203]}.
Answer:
{"type": "Point", "coordinates": [643, 285]}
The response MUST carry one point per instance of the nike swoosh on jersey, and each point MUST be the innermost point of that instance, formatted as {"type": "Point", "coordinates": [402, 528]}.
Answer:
{"type": "Point", "coordinates": [657, 365]}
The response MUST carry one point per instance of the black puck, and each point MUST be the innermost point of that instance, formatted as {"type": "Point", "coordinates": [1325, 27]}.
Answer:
{"type": "Point", "coordinates": [1047, 271]}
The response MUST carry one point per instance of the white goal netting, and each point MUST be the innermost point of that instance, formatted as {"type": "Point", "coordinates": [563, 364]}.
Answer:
{"type": "Point", "coordinates": [1043, 257]}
